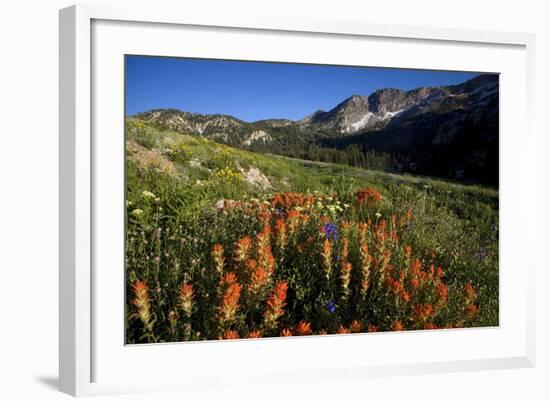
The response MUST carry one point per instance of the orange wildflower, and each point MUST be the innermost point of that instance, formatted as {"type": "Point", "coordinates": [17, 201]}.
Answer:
{"type": "Point", "coordinates": [343, 330]}
{"type": "Point", "coordinates": [345, 250]}
{"type": "Point", "coordinates": [416, 267]}
{"type": "Point", "coordinates": [254, 334]}
{"type": "Point", "coordinates": [393, 235]}
{"type": "Point", "coordinates": [186, 299]}
{"type": "Point", "coordinates": [371, 328]}
{"type": "Point", "coordinates": [228, 278]}
{"type": "Point", "coordinates": [293, 221]}
{"type": "Point", "coordinates": [355, 326]}
{"type": "Point", "coordinates": [345, 276]}
{"type": "Point", "coordinates": [397, 326]}
{"type": "Point", "coordinates": [365, 260]}
{"type": "Point", "coordinates": [368, 196]}
{"type": "Point", "coordinates": [263, 239]}
{"type": "Point", "coordinates": [142, 303]}
{"type": "Point", "coordinates": [470, 292]}
{"type": "Point", "coordinates": [259, 276]}
{"type": "Point", "coordinates": [326, 254]}
{"type": "Point", "coordinates": [264, 217]}
{"type": "Point", "coordinates": [407, 253]}
{"type": "Point", "coordinates": [281, 236]}
{"type": "Point", "coordinates": [275, 304]}
{"type": "Point", "coordinates": [286, 333]}
{"type": "Point", "coordinates": [303, 328]}
{"type": "Point", "coordinates": [229, 335]}
{"type": "Point", "coordinates": [408, 216]}
{"type": "Point", "coordinates": [217, 256]}
{"type": "Point", "coordinates": [288, 200]}
{"type": "Point", "coordinates": [424, 311]}
{"type": "Point", "coordinates": [414, 283]}
{"type": "Point", "coordinates": [266, 260]}
{"type": "Point", "coordinates": [242, 249]}
{"type": "Point", "coordinates": [442, 291]}
{"type": "Point", "coordinates": [362, 228]}
{"type": "Point", "coordinates": [380, 233]}
{"type": "Point", "coordinates": [384, 264]}
{"type": "Point", "coordinates": [346, 227]}
{"type": "Point", "coordinates": [230, 302]}
{"type": "Point", "coordinates": [472, 309]}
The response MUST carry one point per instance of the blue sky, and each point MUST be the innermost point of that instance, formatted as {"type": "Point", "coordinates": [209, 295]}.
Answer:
{"type": "Point", "coordinates": [254, 90]}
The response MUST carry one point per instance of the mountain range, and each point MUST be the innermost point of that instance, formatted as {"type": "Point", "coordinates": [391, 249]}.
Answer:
{"type": "Point", "coordinates": [449, 131]}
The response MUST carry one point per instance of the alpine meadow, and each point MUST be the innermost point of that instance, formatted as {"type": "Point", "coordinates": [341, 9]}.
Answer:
{"type": "Point", "coordinates": [274, 199]}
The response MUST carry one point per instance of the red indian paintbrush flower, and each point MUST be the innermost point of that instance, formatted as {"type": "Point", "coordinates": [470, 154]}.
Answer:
{"type": "Point", "coordinates": [470, 292]}
{"type": "Point", "coordinates": [263, 239]}
{"type": "Point", "coordinates": [275, 304]}
{"type": "Point", "coordinates": [472, 309]}
{"type": "Point", "coordinates": [142, 303]}
{"type": "Point", "coordinates": [281, 235]}
{"type": "Point", "coordinates": [345, 250]}
{"type": "Point", "coordinates": [342, 330]}
{"type": "Point", "coordinates": [326, 254]}
{"type": "Point", "coordinates": [266, 260]}
{"type": "Point", "coordinates": [217, 256]}
{"type": "Point", "coordinates": [371, 328]}
{"type": "Point", "coordinates": [230, 300]}
{"type": "Point", "coordinates": [381, 234]}
{"type": "Point", "coordinates": [423, 312]}
{"type": "Point", "coordinates": [303, 328]}
{"type": "Point", "coordinates": [416, 267]}
{"type": "Point", "coordinates": [368, 196]}
{"type": "Point", "coordinates": [345, 277]}
{"type": "Point", "coordinates": [407, 253]}
{"type": "Point", "coordinates": [227, 279]}
{"type": "Point", "coordinates": [230, 335]}
{"type": "Point", "coordinates": [442, 291]}
{"type": "Point", "coordinates": [260, 276]}
{"type": "Point", "coordinates": [294, 219]}
{"type": "Point", "coordinates": [405, 296]}
{"type": "Point", "coordinates": [254, 334]}
{"type": "Point", "coordinates": [355, 326]}
{"type": "Point", "coordinates": [397, 326]}
{"type": "Point", "coordinates": [186, 299]}
{"type": "Point", "coordinates": [286, 333]}
{"type": "Point", "coordinates": [242, 249]}
{"type": "Point", "coordinates": [362, 228]}
{"type": "Point", "coordinates": [365, 260]}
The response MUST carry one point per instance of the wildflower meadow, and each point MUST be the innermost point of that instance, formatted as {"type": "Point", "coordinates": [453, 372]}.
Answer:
{"type": "Point", "coordinates": [312, 248]}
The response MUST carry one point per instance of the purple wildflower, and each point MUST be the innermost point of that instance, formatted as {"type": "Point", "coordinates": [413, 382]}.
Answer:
{"type": "Point", "coordinates": [331, 232]}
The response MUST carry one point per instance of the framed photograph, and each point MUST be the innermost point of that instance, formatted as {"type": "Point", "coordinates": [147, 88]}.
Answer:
{"type": "Point", "coordinates": [277, 199]}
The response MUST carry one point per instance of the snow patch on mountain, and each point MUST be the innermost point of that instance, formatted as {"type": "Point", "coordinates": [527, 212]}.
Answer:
{"type": "Point", "coordinates": [391, 114]}
{"type": "Point", "coordinates": [363, 121]}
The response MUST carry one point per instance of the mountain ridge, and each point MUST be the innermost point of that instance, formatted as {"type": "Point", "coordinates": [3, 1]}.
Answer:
{"type": "Point", "coordinates": [416, 123]}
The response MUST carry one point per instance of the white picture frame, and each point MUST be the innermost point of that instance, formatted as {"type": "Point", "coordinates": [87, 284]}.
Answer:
{"type": "Point", "coordinates": [82, 159]}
